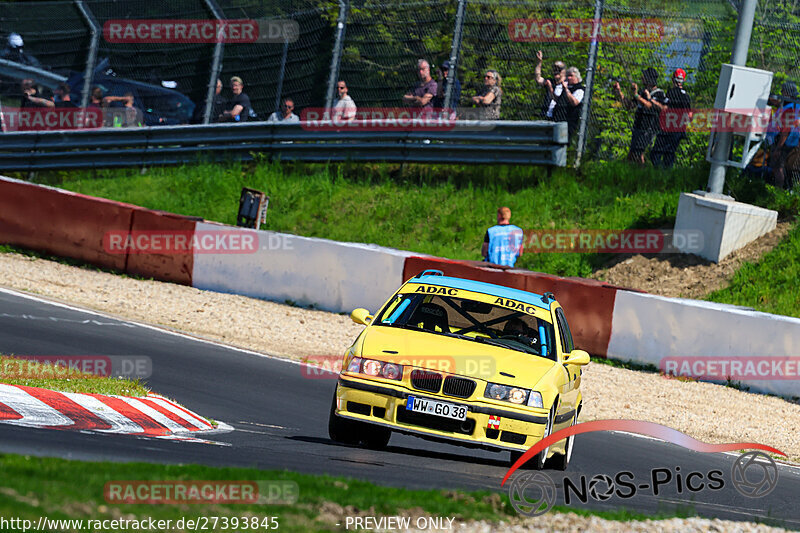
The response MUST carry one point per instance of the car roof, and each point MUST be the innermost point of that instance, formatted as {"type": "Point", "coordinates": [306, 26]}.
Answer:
{"type": "Point", "coordinates": [482, 287]}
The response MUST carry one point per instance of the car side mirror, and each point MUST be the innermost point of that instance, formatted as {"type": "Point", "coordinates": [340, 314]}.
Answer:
{"type": "Point", "coordinates": [361, 316]}
{"type": "Point", "coordinates": [577, 357]}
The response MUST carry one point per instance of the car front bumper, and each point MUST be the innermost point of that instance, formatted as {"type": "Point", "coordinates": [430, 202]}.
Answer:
{"type": "Point", "coordinates": [385, 405]}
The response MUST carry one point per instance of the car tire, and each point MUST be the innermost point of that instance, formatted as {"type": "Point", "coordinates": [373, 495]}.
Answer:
{"type": "Point", "coordinates": [374, 437]}
{"type": "Point", "coordinates": [538, 461]}
{"type": "Point", "coordinates": [341, 429]}
{"type": "Point", "coordinates": [560, 461]}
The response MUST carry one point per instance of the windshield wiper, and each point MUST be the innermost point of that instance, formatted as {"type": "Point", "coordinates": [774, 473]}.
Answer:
{"type": "Point", "coordinates": [504, 343]}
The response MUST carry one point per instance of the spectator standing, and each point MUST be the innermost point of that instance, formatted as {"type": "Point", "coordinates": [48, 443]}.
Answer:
{"type": "Point", "coordinates": [218, 103]}
{"type": "Point", "coordinates": [550, 84]}
{"type": "Point", "coordinates": [31, 96]}
{"type": "Point", "coordinates": [566, 100]}
{"type": "Point", "coordinates": [125, 116]}
{"type": "Point", "coordinates": [14, 52]}
{"type": "Point", "coordinates": [491, 96]}
{"type": "Point", "coordinates": [678, 104]}
{"type": "Point", "coordinates": [422, 94]}
{"type": "Point", "coordinates": [649, 101]}
{"type": "Point", "coordinates": [502, 244]}
{"type": "Point", "coordinates": [286, 115]}
{"type": "Point", "coordinates": [96, 98]}
{"type": "Point", "coordinates": [62, 96]}
{"type": "Point", "coordinates": [240, 108]}
{"type": "Point", "coordinates": [438, 100]}
{"type": "Point", "coordinates": [783, 135]}
{"type": "Point", "coordinates": [345, 107]}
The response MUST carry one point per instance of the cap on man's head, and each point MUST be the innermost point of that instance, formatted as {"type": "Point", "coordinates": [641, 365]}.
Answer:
{"type": "Point", "coordinates": [789, 89]}
{"type": "Point", "coordinates": [15, 40]}
{"type": "Point", "coordinates": [650, 75]}
{"type": "Point", "coordinates": [679, 74]}
{"type": "Point", "coordinates": [446, 65]}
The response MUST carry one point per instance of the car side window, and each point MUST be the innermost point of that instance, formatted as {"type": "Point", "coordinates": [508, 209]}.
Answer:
{"type": "Point", "coordinates": [564, 332]}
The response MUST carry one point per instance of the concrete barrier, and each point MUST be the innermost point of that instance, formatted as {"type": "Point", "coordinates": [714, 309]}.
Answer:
{"type": "Point", "coordinates": [60, 222]}
{"type": "Point", "coordinates": [588, 304]}
{"type": "Point", "coordinates": [333, 276]}
{"type": "Point", "coordinates": [651, 329]}
{"type": "Point", "coordinates": [174, 267]}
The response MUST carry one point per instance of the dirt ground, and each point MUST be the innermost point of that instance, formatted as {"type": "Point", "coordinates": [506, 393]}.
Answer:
{"type": "Point", "coordinates": [683, 275]}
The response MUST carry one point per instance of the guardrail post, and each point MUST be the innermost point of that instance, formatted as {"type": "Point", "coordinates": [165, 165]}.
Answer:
{"type": "Point", "coordinates": [341, 26]}
{"type": "Point", "coordinates": [91, 59]}
{"type": "Point", "coordinates": [587, 92]}
{"type": "Point", "coordinates": [455, 50]}
{"type": "Point", "coordinates": [216, 62]}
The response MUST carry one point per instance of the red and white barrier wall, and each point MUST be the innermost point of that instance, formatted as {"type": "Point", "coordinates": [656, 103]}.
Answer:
{"type": "Point", "coordinates": [335, 276]}
{"type": "Point", "coordinates": [330, 275]}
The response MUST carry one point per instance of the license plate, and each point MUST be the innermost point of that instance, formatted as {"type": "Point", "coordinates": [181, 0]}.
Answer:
{"type": "Point", "coordinates": [437, 408]}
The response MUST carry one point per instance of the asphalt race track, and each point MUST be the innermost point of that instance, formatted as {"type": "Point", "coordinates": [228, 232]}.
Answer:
{"type": "Point", "coordinates": [280, 416]}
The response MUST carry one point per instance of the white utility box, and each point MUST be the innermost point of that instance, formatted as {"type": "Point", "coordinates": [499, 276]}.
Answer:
{"type": "Point", "coordinates": [743, 90]}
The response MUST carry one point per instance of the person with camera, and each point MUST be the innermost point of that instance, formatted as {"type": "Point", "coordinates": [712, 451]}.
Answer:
{"type": "Point", "coordinates": [677, 115]}
{"type": "Point", "coordinates": [648, 101]}
{"type": "Point", "coordinates": [31, 97]}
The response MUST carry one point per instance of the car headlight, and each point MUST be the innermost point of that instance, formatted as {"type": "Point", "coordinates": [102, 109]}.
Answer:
{"type": "Point", "coordinates": [506, 393]}
{"type": "Point", "coordinates": [535, 400]}
{"type": "Point", "coordinates": [374, 368]}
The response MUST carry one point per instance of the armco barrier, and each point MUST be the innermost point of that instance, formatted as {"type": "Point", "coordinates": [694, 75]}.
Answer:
{"type": "Point", "coordinates": [333, 276]}
{"type": "Point", "coordinates": [647, 328]}
{"type": "Point", "coordinates": [166, 267]}
{"type": "Point", "coordinates": [588, 304]}
{"type": "Point", "coordinates": [60, 222]}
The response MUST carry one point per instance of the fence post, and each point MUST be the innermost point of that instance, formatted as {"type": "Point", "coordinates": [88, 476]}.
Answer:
{"type": "Point", "coordinates": [216, 62]}
{"type": "Point", "coordinates": [281, 75]}
{"type": "Point", "coordinates": [587, 92]}
{"type": "Point", "coordinates": [91, 58]}
{"type": "Point", "coordinates": [341, 25]}
{"type": "Point", "coordinates": [455, 51]}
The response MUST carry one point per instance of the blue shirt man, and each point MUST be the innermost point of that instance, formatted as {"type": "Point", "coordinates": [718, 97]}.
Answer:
{"type": "Point", "coordinates": [502, 244]}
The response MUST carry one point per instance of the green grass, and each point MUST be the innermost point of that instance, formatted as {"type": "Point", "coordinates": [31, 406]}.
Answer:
{"type": "Point", "coordinates": [32, 373]}
{"type": "Point", "coordinates": [442, 211]}
{"type": "Point", "coordinates": [771, 285]}
{"type": "Point", "coordinates": [445, 210]}
{"type": "Point", "coordinates": [62, 489]}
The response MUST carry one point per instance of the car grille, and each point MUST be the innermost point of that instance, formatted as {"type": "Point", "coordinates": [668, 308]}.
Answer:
{"type": "Point", "coordinates": [458, 387]}
{"type": "Point", "coordinates": [435, 422]}
{"type": "Point", "coordinates": [427, 381]}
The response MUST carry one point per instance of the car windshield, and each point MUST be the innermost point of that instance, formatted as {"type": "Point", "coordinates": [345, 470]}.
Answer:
{"type": "Point", "coordinates": [472, 320]}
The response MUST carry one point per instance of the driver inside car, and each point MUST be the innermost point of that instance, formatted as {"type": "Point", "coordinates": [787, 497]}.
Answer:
{"type": "Point", "coordinates": [516, 327]}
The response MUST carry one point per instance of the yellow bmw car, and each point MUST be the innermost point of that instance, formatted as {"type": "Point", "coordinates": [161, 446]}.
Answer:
{"type": "Point", "coordinates": [464, 362]}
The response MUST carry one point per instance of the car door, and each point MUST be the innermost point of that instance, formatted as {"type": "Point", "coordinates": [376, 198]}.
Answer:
{"type": "Point", "coordinates": [569, 394]}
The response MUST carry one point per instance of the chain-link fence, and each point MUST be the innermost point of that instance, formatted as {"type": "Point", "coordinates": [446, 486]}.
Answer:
{"type": "Point", "coordinates": [379, 43]}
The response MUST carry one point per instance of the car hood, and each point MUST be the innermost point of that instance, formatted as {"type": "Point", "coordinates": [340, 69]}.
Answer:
{"type": "Point", "coordinates": [458, 356]}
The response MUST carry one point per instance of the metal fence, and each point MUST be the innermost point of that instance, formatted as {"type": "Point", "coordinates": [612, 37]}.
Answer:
{"type": "Point", "coordinates": [374, 45]}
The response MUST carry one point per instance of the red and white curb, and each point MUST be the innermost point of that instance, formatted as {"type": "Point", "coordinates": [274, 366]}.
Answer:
{"type": "Point", "coordinates": [150, 416]}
